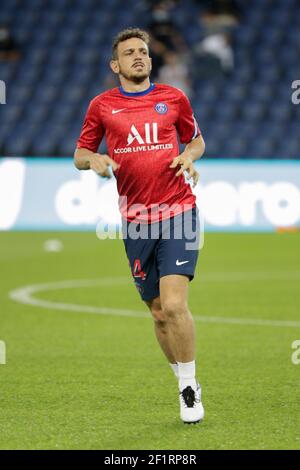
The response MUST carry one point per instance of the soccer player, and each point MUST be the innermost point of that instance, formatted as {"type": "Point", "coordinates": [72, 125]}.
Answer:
{"type": "Point", "coordinates": [141, 121]}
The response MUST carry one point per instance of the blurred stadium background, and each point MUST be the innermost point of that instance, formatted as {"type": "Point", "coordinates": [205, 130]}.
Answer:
{"type": "Point", "coordinates": [65, 373]}
{"type": "Point", "coordinates": [243, 105]}
{"type": "Point", "coordinates": [236, 60]}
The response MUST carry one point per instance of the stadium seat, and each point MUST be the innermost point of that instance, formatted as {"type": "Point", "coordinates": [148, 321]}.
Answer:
{"type": "Point", "coordinates": [65, 48]}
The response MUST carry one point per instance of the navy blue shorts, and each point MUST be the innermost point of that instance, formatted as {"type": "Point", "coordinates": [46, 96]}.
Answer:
{"type": "Point", "coordinates": [156, 250]}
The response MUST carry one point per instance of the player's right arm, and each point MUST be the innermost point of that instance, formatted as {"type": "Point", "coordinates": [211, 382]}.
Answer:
{"type": "Point", "coordinates": [86, 156]}
{"type": "Point", "coordinates": [85, 159]}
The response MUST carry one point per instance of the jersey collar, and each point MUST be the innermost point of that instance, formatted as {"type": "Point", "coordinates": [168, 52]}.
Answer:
{"type": "Point", "coordinates": [137, 93]}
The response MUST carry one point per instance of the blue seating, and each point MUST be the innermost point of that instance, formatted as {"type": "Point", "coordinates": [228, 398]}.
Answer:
{"type": "Point", "coordinates": [65, 51]}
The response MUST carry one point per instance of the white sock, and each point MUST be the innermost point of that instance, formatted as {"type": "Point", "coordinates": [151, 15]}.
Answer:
{"type": "Point", "coordinates": [175, 369]}
{"type": "Point", "coordinates": [187, 375]}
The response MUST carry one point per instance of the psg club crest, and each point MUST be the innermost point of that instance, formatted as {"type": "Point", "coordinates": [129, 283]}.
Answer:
{"type": "Point", "coordinates": [139, 288]}
{"type": "Point", "coordinates": [161, 108]}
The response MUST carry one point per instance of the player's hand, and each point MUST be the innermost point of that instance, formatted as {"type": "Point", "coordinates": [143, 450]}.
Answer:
{"type": "Point", "coordinates": [186, 164]}
{"type": "Point", "coordinates": [100, 163]}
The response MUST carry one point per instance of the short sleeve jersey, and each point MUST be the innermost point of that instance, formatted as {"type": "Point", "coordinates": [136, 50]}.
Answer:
{"type": "Point", "coordinates": [142, 131]}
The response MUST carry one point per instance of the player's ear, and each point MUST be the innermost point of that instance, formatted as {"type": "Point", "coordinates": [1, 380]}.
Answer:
{"type": "Point", "coordinates": [114, 65]}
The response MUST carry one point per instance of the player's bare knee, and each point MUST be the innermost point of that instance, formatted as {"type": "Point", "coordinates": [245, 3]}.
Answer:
{"type": "Point", "coordinates": [159, 317]}
{"type": "Point", "coordinates": [157, 313]}
{"type": "Point", "coordinates": [173, 308]}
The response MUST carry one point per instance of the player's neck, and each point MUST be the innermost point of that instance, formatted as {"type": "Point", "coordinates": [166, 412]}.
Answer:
{"type": "Point", "coordinates": [131, 87]}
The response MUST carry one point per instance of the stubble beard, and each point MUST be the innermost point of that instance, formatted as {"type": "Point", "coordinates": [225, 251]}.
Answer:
{"type": "Point", "coordinates": [135, 78]}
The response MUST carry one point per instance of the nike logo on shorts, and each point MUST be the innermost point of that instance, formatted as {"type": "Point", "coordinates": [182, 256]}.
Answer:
{"type": "Point", "coordinates": [179, 263]}
{"type": "Point", "coordinates": [115, 111]}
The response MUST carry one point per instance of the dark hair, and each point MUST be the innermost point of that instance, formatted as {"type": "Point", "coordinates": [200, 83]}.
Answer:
{"type": "Point", "coordinates": [128, 33]}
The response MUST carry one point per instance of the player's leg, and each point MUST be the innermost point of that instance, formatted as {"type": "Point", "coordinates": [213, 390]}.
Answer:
{"type": "Point", "coordinates": [161, 329]}
{"type": "Point", "coordinates": [175, 311]}
{"type": "Point", "coordinates": [177, 258]}
{"type": "Point", "coordinates": [174, 302]}
{"type": "Point", "coordinates": [177, 255]}
{"type": "Point", "coordinates": [142, 261]}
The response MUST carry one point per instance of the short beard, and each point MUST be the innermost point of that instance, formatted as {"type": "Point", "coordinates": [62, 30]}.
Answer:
{"type": "Point", "coordinates": [133, 78]}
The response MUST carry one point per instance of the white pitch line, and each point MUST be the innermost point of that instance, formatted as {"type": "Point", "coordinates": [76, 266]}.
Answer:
{"type": "Point", "coordinates": [25, 295]}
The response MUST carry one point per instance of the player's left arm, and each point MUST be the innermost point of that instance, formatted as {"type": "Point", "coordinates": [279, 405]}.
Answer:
{"type": "Point", "coordinates": [190, 135]}
{"type": "Point", "coordinates": [193, 151]}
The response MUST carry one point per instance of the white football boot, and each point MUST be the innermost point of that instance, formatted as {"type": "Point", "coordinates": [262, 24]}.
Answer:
{"type": "Point", "coordinates": [191, 408]}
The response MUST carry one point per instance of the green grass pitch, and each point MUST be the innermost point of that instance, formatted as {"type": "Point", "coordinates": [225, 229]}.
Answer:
{"type": "Point", "coordinates": [79, 380]}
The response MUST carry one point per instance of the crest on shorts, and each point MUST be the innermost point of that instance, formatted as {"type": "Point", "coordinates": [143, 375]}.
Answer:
{"type": "Point", "coordinates": [139, 288]}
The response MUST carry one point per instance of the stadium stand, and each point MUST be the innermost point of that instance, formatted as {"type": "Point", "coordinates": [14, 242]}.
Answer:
{"type": "Point", "coordinates": [64, 53]}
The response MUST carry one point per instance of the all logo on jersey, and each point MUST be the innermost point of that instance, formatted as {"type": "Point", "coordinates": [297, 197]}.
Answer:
{"type": "Point", "coordinates": [145, 140]}
{"type": "Point", "coordinates": [161, 108]}
{"type": "Point", "coordinates": [151, 134]}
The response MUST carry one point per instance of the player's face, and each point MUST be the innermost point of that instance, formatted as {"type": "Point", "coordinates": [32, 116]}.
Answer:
{"type": "Point", "coordinates": [133, 61]}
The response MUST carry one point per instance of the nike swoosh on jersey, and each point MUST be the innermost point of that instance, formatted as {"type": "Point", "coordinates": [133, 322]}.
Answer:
{"type": "Point", "coordinates": [179, 263]}
{"type": "Point", "coordinates": [115, 111]}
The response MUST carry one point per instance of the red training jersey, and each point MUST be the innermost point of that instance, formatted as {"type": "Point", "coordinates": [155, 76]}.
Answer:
{"type": "Point", "coordinates": [141, 132]}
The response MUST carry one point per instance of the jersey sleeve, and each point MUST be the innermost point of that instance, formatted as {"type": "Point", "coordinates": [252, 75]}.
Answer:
{"type": "Point", "coordinates": [187, 126]}
{"type": "Point", "coordinates": [92, 130]}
